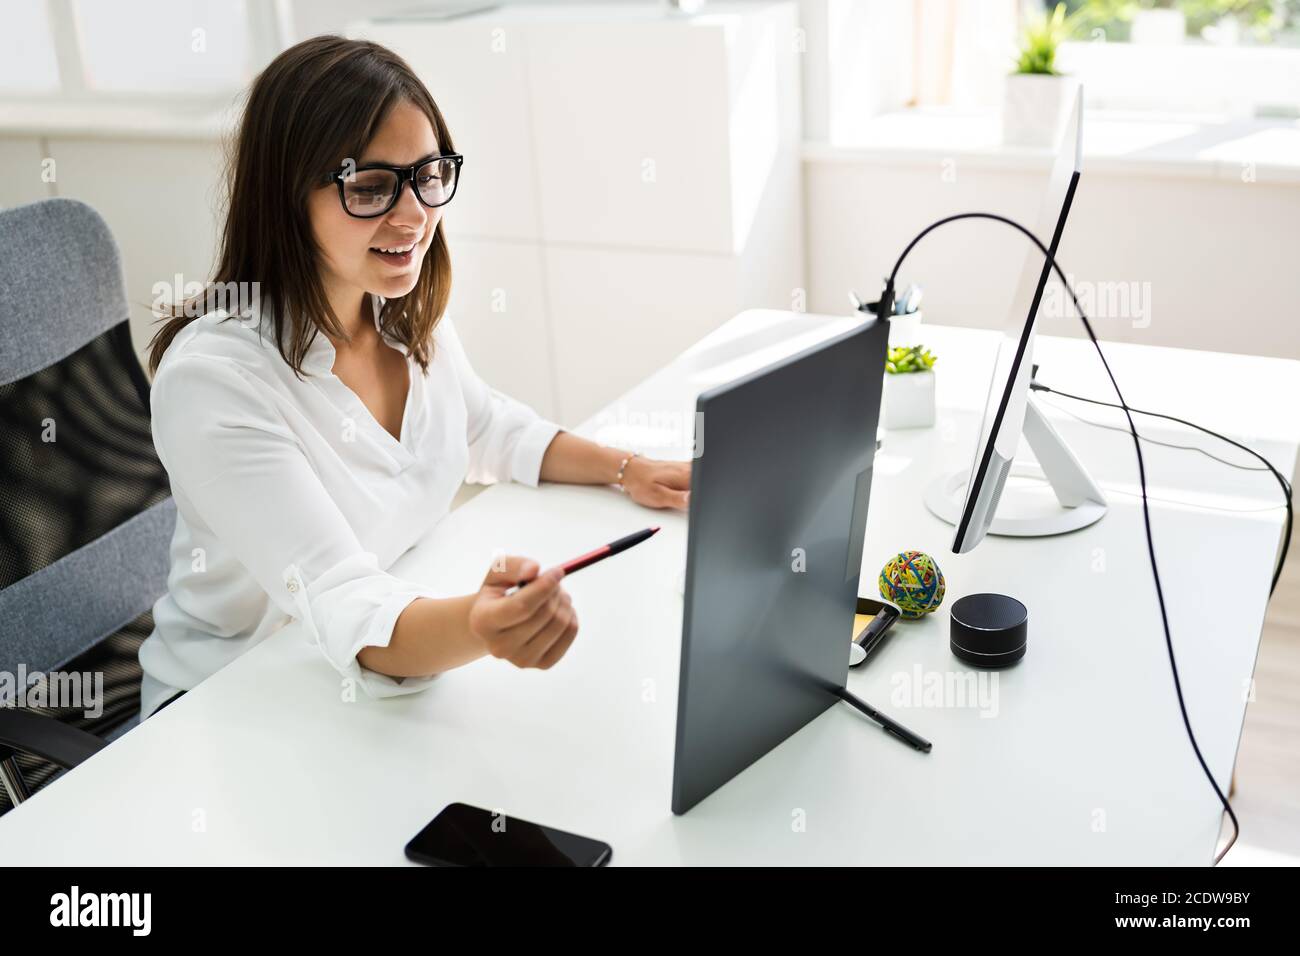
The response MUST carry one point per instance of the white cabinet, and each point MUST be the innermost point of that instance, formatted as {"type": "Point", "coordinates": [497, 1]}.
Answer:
{"type": "Point", "coordinates": [620, 315]}
{"type": "Point", "coordinates": [497, 305]}
{"type": "Point", "coordinates": [631, 181]}
{"type": "Point", "coordinates": [631, 121]}
{"type": "Point", "coordinates": [477, 73]}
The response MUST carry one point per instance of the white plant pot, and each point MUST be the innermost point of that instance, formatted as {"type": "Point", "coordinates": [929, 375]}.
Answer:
{"type": "Point", "coordinates": [1035, 107]}
{"type": "Point", "coordinates": [909, 400]}
{"type": "Point", "coordinates": [1158, 27]}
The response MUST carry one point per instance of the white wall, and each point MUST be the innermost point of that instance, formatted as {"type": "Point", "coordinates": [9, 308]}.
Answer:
{"type": "Point", "coordinates": [1201, 247]}
{"type": "Point", "coordinates": [1216, 255]}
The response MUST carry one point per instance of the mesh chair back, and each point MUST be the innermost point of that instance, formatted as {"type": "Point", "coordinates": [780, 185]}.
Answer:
{"type": "Point", "coordinates": [85, 512]}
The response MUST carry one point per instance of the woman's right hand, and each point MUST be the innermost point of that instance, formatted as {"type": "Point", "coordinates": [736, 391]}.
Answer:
{"type": "Point", "coordinates": [532, 627]}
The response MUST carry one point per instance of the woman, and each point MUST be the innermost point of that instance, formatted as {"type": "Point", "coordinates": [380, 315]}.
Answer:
{"type": "Point", "coordinates": [314, 437]}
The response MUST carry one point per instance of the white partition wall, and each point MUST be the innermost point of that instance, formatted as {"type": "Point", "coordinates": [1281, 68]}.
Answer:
{"type": "Point", "coordinates": [632, 180]}
{"type": "Point", "coordinates": [497, 304]}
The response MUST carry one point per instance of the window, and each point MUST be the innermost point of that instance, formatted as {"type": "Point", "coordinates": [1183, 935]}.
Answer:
{"type": "Point", "coordinates": [1234, 58]}
{"type": "Point", "coordinates": [137, 50]}
{"type": "Point", "coordinates": [172, 46]}
{"type": "Point", "coordinates": [901, 67]}
{"type": "Point", "coordinates": [1223, 23]}
{"type": "Point", "coordinates": [27, 60]}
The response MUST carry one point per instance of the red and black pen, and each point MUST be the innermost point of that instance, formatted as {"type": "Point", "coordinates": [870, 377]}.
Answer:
{"type": "Point", "coordinates": [600, 554]}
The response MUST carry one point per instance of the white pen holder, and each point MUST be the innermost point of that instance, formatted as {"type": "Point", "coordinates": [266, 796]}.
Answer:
{"type": "Point", "coordinates": [904, 329]}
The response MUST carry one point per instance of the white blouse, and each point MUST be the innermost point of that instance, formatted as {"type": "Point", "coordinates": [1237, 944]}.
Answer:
{"type": "Point", "coordinates": [293, 501]}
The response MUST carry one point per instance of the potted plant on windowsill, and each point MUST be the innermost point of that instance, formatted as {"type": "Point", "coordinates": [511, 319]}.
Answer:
{"type": "Point", "coordinates": [909, 387]}
{"type": "Point", "coordinates": [1037, 97]}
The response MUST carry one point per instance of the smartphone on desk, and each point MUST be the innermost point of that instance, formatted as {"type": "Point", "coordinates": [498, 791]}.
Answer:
{"type": "Point", "coordinates": [462, 835]}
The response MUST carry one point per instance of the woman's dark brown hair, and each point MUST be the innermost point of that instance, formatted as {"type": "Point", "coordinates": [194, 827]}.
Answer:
{"type": "Point", "coordinates": [314, 106]}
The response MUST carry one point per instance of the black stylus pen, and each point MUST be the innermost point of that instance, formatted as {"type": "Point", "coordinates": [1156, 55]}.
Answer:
{"type": "Point", "coordinates": [888, 725]}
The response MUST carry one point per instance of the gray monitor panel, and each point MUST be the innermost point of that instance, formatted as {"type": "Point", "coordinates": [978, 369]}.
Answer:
{"type": "Point", "coordinates": [777, 518]}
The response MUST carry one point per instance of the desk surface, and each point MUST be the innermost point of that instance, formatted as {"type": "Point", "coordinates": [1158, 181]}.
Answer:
{"type": "Point", "coordinates": [1076, 756]}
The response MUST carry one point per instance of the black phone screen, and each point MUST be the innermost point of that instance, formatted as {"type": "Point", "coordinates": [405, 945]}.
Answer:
{"type": "Point", "coordinates": [462, 835]}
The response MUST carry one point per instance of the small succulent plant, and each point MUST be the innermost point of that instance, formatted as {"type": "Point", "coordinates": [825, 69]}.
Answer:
{"type": "Point", "coordinates": [1041, 36]}
{"type": "Point", "coordinates": [909, 358]}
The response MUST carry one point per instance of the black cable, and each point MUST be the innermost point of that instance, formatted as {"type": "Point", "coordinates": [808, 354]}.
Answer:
{"type": "Point", "coordinates": [1152, 441]}
{"type": "Point", "coordinates": [1286, 485]}
{"type": "Point", "coordinates": [885, 307]}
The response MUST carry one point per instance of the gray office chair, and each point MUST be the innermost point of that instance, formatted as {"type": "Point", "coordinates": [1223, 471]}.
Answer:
{"type": "Point", "coordinates": [85, 511]}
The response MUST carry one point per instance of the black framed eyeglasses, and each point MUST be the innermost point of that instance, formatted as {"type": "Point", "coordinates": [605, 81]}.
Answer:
{"type": "Point", "coordinates": [373, 190]}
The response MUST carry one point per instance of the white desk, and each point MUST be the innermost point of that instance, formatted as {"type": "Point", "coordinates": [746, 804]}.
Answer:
{"type": "Point", "coordinates": [1085, 762]}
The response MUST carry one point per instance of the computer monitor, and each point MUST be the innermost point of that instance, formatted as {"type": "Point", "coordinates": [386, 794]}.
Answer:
{"type": "Point", "coordinates": [973, 499]}
{"type": "Point", "coordinates": [778, 513]}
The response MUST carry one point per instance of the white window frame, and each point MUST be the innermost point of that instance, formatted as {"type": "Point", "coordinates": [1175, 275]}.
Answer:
{"type": "Point", "coordinates": [1241, 80]}
{"type": "Point", "coordinates": [1235, 82]}
{"type": "Point", "coordinates": [269, 30]}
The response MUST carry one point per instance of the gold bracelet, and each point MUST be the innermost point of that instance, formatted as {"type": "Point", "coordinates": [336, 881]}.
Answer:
{"type": "Point", "coordinates": [621, 469]}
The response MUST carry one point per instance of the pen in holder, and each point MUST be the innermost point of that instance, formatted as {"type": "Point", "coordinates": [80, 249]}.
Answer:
{"type": "Point", "coordinates": [903, 312]}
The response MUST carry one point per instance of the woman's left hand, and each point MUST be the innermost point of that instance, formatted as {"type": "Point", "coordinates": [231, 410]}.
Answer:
{"type": "Point", "coordinates": [658, 484]}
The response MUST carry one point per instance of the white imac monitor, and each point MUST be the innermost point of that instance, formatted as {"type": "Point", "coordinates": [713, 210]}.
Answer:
{"type": "Point", "coordinates": [974, 499]}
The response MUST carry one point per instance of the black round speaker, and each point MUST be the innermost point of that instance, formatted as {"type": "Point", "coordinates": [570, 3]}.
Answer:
{"type": "Point", "coordinates": [989, 630]}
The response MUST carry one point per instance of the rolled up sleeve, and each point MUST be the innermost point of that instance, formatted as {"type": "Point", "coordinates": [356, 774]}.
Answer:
{"type": "Point", "coordinates": [236, 465]}
{"type": "Point", "coordinates": [507, 439]}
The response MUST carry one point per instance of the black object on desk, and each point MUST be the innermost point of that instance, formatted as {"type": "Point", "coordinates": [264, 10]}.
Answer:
{"type": "Point", "coordinates": [883, 617]}
{"type": "Point", "coordinates": [462, 835]}
{"type": "Point", "coordinates": [989, 630]}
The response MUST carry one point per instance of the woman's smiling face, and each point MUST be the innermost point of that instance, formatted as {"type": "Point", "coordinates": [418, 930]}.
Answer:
{"type": "Point", "coordinates": [351, 256]}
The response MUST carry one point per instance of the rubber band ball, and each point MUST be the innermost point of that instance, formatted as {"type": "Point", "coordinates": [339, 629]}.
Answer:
{"type": "Point", "coordinates": [912, 580]}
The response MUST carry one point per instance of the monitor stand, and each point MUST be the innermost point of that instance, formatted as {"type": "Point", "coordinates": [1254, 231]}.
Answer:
{"type": "Point", "coordinates": [1029, 512]}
